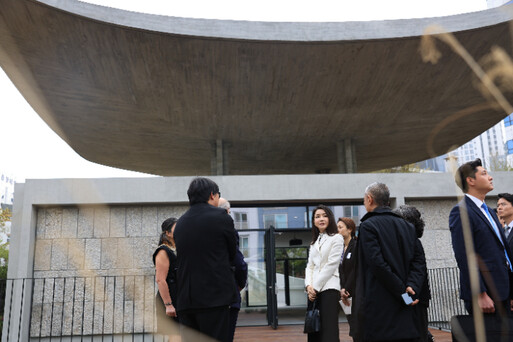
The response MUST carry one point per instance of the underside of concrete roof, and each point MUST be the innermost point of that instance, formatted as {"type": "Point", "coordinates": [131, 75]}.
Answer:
{"type": "Point", "coordinates": [178, 96]}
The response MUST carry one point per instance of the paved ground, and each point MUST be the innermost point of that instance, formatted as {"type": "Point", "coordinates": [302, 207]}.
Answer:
{"type": "Point", "coordinates": [294, 333]}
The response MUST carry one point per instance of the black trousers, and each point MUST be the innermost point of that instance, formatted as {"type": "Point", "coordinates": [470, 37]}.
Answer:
{"type": "Point", "coordinates": [211, 322]}
{"type": "Point", "coordinates": [234, 314]}
{"type": "Point", "coordinates": [327, 302]}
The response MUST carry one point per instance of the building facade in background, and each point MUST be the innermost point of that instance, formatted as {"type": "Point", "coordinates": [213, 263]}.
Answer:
{"type": "Point", "coordinates": [6, 189]}
{"type": "Point", "coordinates": [494, 147]}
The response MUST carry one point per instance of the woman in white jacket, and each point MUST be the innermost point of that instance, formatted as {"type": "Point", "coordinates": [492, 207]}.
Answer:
{"type": "Point", "coordinates": [321, 274]}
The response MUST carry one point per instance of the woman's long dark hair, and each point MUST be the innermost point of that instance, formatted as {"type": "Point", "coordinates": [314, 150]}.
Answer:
{"type": "Point", "coordinates": [167, 225]}
{"type": "Point", "coordinates": [332, 224]}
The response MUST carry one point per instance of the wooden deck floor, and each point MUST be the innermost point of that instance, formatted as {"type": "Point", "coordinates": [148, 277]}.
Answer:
{"type": "Point", "coordinates": [294, 333]}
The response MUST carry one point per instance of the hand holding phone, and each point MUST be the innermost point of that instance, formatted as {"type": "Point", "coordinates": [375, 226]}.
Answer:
{"type": "Point", "coordinates": [407, 299]}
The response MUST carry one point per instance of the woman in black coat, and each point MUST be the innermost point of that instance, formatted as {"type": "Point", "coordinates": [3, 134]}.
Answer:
{"type": "Point", "coordinates": [347, 228]}
{"type": "Point", "coordinates": [413, 216]}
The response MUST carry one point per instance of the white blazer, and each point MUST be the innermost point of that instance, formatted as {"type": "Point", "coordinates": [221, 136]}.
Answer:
{"type": "Point", "coordinates": [322, 268]}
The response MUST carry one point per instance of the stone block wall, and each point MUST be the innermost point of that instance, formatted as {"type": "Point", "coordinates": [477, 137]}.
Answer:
{"type": "Point", "coordinates": [437, 236]}
{"type": "Point", "coordinates": [93, 269]}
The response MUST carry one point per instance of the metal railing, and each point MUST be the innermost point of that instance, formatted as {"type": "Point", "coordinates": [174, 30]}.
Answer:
{"type": "Point", "coordinates": [111, 307]}
{"type": "Point", "coordinates": [78, 308]}
{"type": "Point", "coordinates": [445, 297]}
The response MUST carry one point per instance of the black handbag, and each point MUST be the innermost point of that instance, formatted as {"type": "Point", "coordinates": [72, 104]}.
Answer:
{"type": "Point", "coordinates": [495, 328]}
{"type": "Point", "coordinates": [312, 320]}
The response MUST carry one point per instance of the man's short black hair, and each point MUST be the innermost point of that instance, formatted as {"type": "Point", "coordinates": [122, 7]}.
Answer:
{"type": "Point", "coordinates": [200, 190]}
{"type": "Point", "coordinates": [508, 197]}
{"type": "Point", "coordinates": [468, 169]}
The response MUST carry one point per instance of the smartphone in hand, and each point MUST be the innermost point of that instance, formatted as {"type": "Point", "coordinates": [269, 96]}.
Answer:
{"type": "Point", "coordinates": [406, 298]}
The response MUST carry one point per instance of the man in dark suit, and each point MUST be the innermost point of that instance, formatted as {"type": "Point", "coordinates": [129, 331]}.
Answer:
{"type": "Point", "coordinates": [389, 265]}
{"type": "Point", "coordinates": [505, 212]}
{"type": "Point", "coordinates": [206, 245]}
{"type": "Point", "coordinates": [493, 254]}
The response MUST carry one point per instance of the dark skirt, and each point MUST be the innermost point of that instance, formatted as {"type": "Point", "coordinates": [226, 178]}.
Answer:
{"type": "Point", "coordinates": [327, 302]}
{"type": "Point", "coordinates": [165, 325]}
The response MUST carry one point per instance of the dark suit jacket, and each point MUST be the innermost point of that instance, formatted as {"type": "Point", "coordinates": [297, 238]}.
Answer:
{"type": "Point", "coordinates": [346, 268]}
{"type": "Point", "coordinates": [493, 272]}
{"type": "Point", "coordinates": [206, 244]}
{"type": "Point", "coordinates": [388, 262]}
{"type": "Point", "coordinates": [510, 241]}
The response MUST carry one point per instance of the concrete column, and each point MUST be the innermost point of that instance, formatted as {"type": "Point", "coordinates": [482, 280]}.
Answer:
{"type": "Point", "coordinates": [21, 266]}
{"type": "Point", "coordinates": [219, 165]}
{"type": "Point", "coordinates": [346, 156]}
{"type": "Point", "coordinates": [396, 202]}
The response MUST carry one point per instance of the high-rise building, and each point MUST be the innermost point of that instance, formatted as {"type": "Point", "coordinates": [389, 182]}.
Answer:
{"type": "Point", "coordinates": [6, 189]}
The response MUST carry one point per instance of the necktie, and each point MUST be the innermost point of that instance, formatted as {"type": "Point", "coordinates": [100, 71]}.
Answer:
{"type": "Point", "coordinates": [496, 229]}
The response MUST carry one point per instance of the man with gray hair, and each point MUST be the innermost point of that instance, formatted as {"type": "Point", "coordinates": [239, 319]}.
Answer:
{"type": "Point", "coordinates": [390, 272]}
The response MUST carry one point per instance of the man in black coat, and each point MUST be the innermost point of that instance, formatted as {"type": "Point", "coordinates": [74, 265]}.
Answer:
{"type": "Point", "coordinates": [206, 245]}
{"type": "Point", "coordinates": [389, 265]}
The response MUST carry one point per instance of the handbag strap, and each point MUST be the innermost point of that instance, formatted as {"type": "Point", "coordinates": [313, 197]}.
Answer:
{"type": "Point", "coordinates": [314, 305]}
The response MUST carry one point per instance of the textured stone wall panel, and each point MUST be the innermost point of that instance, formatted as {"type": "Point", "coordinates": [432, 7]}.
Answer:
{"type": "Point", "coordinates": [101, 222]}
{"type": "Point", "coordinates": [40, 223]}
{"type": "Point", "coordinates": [59, 260]}
{"type": "Point", "coordinates": [134, 221]}
{"type": "Point", "coordinates": [43, 255]}
{"type": "Point", "coordinates": [92, 259]}
{"type": "Point", "coordinates": [118, 222]}
{"type": "Point", "coordinates": [69, 223]}
{"type": "Point", "coordinates": [125, 253]}
{"type": "Point", "coordinates": [150, 222]}
{"type": "Point", "coordinates": [434, 212]}
{"type": "Point", "coordinates": [109, 253]}
{"type": "Point", "coordinates": [85, 222]}
{"type": "Point", "coordinates": [76, 254]}
{"type": "Point", "coordinates": [53, 223]}
{"type": "Point", "coordinates": [143, 252]}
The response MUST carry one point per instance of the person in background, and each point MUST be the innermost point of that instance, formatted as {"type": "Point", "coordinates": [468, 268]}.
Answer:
{"type": "Point", "coordinates": [347, 228]}
{"type": "Point", "coordinates": [240, 269]}
{"type": "Point", "coordinates": [206, 244]}
{"type": "Point", "coordinates": [321, 275]}
{"type": "Point", "coordinates": [493, 262]}
{"type": "Point", "coordinates": [505, 212]}
{"type": "Point", "coordinates": [413, 216]}
{"type": "Point", "coordinates": [389, 272]}
{"type": "Point", "coordinates": [164, 259]}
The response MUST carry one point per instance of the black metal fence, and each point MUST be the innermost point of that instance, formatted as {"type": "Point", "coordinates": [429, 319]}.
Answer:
{"type": "Point", "coordinates": [78, 308]}
{"type": "Point", "coordinates": [112, 307]}
{"type": "Point", "coordinates": [445, 294]}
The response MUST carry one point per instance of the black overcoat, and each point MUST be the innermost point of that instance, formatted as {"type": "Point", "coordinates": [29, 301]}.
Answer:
{"type": "Point", "coordinates": [388, 262]}
{"type": "Point", "coordinates": [206, 244]}
{"type": "Point", "coordinates": [347, 268]}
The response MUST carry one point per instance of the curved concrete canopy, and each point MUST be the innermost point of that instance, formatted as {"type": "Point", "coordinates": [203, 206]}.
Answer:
{"type": "Point", "coordinates": [154, 94]}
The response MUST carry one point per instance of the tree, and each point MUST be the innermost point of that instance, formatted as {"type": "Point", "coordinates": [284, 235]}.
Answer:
{"type": "Point", "coordinates": [408, 168]}
{"type": "Point", "coordinates": [5, 216]}
{"type": "Point", "coordinates": [499, 163]}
